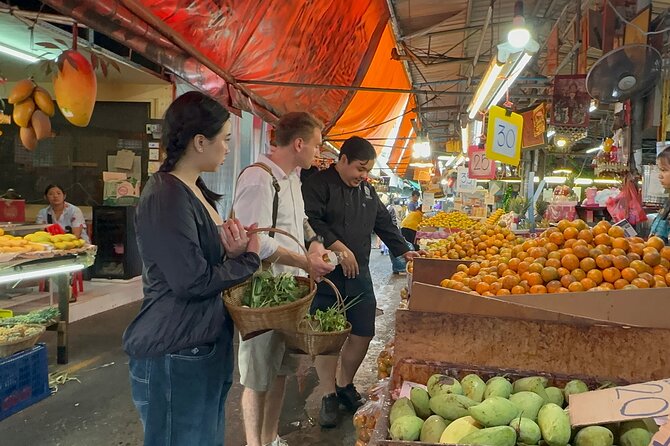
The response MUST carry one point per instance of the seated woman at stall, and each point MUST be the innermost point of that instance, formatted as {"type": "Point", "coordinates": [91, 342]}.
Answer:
{"type": "Point", "coordinates": [59, 211]}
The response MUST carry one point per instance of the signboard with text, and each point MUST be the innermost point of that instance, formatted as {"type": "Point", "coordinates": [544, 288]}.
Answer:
{"type": "Point", "coordinates": [479, 166]}
{"type": "Point", "coordinates": [464, 183]}
{"type": "Point", "coordinates": [503, 136]}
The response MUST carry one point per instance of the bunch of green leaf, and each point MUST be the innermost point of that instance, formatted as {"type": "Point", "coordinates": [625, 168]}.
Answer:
{"type": "Point", "coordinates": [333, 319]}
{"type": "Point", "coordinates": [43, 317]}
{"type": "Point", "coordinates": [519, 205]}
{"type": "Point", "coordinates": [268, 290]}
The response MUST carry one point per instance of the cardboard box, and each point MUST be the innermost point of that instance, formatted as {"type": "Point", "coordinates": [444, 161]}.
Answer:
{"type": "Point", "coordinates": [13, 211]}
{"type": "Point", "coordinates": [119, 190]}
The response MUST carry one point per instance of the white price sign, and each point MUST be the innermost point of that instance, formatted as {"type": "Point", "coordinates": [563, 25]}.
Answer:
{"type": "Point", "coordinates": [503, 136]}
{"type": "Point", "coordinates": [464, 182]}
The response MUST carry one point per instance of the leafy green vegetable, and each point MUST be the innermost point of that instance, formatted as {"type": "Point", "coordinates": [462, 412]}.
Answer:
{"type": "Point", "coordinates": [43, 316]}
{"type": "Point", "coordinates": [268, 290]}
{"type": "Point", "coordinates": [333, 319]}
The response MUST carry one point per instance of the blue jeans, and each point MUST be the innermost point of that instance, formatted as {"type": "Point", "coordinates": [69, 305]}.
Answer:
{"type": "Point", "coordinates": [181, 396]}
{"type": "Point", "coordinates": [398, 263]}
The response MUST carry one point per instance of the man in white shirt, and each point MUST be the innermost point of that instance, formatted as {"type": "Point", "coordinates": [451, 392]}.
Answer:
{"type": "Point", "coordinates": [262, 360]}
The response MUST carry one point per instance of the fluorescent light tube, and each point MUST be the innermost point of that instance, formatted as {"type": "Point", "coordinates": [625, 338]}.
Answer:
{"type": "Point", "coordinates": [40, 273]}
{"type": "Point", "coordinates": [485, 88]}
{"type": "Point", "coordinates": [18, 54]}
{"type": "Point", "coordinates": [521, 64]}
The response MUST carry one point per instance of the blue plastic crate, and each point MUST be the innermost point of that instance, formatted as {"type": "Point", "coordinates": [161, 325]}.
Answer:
{"type": "Point", "coordinates": [24, 380]}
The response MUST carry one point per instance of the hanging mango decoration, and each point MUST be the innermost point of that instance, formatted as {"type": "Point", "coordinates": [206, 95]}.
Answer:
{"type": "Point", "coordinates": [33, 107]}
{"type": "Point", "coordinates": [607, 145]}
{"type": "Point", "coordinates": [75, 87]}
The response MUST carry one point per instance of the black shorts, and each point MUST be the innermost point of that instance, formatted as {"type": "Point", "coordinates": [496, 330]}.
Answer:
{"type": "Point", "coordinates": [361, 316]}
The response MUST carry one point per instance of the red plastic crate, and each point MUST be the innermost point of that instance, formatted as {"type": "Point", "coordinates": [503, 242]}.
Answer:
{"type": "Point", "coordinates": [24, 380]}
{"type": "Point", "coordinates": [12, 210]}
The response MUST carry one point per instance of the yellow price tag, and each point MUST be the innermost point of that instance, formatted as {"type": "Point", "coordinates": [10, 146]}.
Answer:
{"type": "Point", "coordinates": [503, 136]}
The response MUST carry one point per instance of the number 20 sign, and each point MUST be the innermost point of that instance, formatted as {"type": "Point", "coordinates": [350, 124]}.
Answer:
{"type": "Point", "coordinates": [503, 136]}
{"type": "Point", "coordinates": [479, 166]}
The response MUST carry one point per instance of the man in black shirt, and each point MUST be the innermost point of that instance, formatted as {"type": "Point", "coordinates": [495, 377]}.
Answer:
{"type": "Point", "coordinates": [345, 210]}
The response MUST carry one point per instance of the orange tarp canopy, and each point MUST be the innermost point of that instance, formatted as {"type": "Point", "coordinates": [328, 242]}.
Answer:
{"type": "Point", "coordinates": [376, 114]}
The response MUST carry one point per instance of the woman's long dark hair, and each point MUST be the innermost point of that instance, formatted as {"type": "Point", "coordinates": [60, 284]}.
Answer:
{"type": "Point", "coordinates": [193, 113]}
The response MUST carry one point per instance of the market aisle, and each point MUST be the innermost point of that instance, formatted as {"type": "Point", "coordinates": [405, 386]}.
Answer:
{"type": "Point", "coordinates": [98, 410]}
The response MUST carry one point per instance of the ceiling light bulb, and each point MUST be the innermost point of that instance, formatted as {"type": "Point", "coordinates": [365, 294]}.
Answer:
{"type": "Point", "coordinates": [443, 182]}
{"type": "Point", "coordinates": [518, 37]}
{"type": "Point", "coordinates": [18, 54]}
{"type": "Point", "coordinates": [561, 142]}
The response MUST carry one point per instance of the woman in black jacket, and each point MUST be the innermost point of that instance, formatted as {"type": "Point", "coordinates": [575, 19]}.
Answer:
{"type": "Point", "coordinates": [180, 344]}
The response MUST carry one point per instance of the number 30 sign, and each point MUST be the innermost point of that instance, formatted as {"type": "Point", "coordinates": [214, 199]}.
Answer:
{"type": "Point", "coordinates": [479, 166]}
{"type": "Point", "coordinates": [503, 136]}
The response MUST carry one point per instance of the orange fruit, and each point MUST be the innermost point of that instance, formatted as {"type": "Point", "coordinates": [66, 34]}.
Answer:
{"type": "Point", "coordinates": [667, 278]}
{"type": "Point", "coordinates": [604, 261]}
{"type": "Point", "coordinates": [488, 294]}
{"type": "Point", "coordinates": [587, 264]}
{"type": "Point", "coordinates": [523, 267]}
{"type": "Point", "coordinates": [535, 268]}
{"type": "Point", "coordinates": [620, 243]}
{"type": "Point", "coordinates": [637, 248]}
{"type": "Point", "coordinates": [640, 283]}
{"type": "Point", "coordinates": [659, 282]}
{"type": "Point", "coordinates": [555, 255]}
{"type": "Point", "coordinates": [576, 287]}
{"type": "Point", "coordinates": [595, 252]}
{"type": "Point", "coordinates": [445, 283]}
{"type": "Point", "coordinates": [578, 273]}
{"type": "Point", "coordinates": [570, 262]}
{"type": "Point", "coordinates": [617, 252]}
{"type": "Point", "coordinates": [587, 283]}
{"type": "Point", "coordinates": [567, 280]}
{"type": "Point", "coordinates": [660, 270]}
{"type": "Point", "coordinates": [599, 229]}
{"type": "Point", "coordinates": [585, 235]}
{"type": "Point", "coordinates": [529, 244]}
{"type": "Point", "coordinates": [563, 290]}
{"type": "Point", "coordinates": [603, 239]}
{"type": "Point", "coordinates": [570, 233]}
{"type": "Point", "coordinates": [562, 271]}
{"type": "Point", "coordinates": [621, 262]}
{"type": "Point", "coordinates": [553, 286]}
{"type": "Point", "coordinates": [604, 248]}
{"type": "Point", "coordinates": [457, 285]}
{"type": "Point", "coordinates": [581, 251]}
{"type": "Point", "coordinates": [630, 287]}
{"type": "Point", "coordinates": [596, 275]}
{"type": "Point", "coordinates": [648, 278]}
{"type": "Point", "coordinates": [549, 273]}
{"type": "Point", "coordinates": [524, 284]}
{"type": "Point", "coordinates": [538, 252]}
{"type": "Point", "coordinates": [652, 259]}
{"type": "Point", "coordinates": [616, 231]}
{"type": "Point", "coordinates": [510, 282]}
{"type": "Point", "coordinates": [563, 225]}
{"type": "Point", "coordinates": [629, 274]}
{"type": "Point", "coordinates": [518, 290]}
{"type": "Point", "coordinates": [632, 256]}
{"type": "Point", "coordinates": [513, 264]}
{"type": "Point", "coordinates": [656, 242]}
{"type": "Point", "coordinates": [607, 286]}
{"type": "Point", "coordinates": [522, 255]}
{"type": "Point", "coordinates": [620, 283]}
{"type": "Point", "coordinates": [535, 279]}
{"type": "Point", "coordinates": [611, 274]}
{"type": "Point", "coordinates": [503, 292]}
{"type": "Point", "coordinates": [538, 289]}
{"type": "Point", "coordinates": [665, 263]}
{"type": "Point", "coordinates": [474, 268]}
{"type": "Point", "coordinates": [462, 267]}
{"type": "Point", "coordinates": [555, 263]}
{"type": "Point", "coordinates": [551, 247]}
{"type": "Point", "coordinates": [495, 287]}
{"type": "Point", "coordinates": [489, 278]}
{"type": "Point", "coordinates": [541, 260]}
{"type": "Point", "coordinates": [557, 238]}
{"type": "Point", "coordinates": [665, 252]}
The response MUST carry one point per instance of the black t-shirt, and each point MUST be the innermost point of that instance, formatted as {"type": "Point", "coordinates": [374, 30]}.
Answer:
{"type": "Point", "coordinates": [184, 272]}
{"type": "Point", "coordinates": [350, 215]}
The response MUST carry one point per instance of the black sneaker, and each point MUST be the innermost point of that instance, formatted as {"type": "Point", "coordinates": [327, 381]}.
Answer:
{"type": "Point", "coordinates": [349, 397]}
{"type": "Point", "coordinates": [330, 411]}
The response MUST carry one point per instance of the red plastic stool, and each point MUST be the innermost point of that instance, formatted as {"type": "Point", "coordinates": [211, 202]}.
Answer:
{"type": "Point", "coordinates": [77, 284]}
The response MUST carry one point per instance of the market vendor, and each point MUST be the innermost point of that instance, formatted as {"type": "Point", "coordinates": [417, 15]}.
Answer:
{"type": "Point", "coordinates": [59, 211]}
{"type": "Point", "coordinates": [410, 226]}
{"type": "Point", "coordinates": [660, 227]}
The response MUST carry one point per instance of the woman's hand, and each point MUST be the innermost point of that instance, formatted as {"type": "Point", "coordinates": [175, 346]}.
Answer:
{"type": "Point", "coordinates": [234, 237]}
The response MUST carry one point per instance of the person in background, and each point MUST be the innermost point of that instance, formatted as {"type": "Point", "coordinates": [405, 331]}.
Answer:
{"type": "Point", "coordinates": [263, 360]}
{"type": "Point", "coordinates": [413, 204]}
{"type": "Point", "coordinates": [345, 210]}
{"type": "Point", "coordinates": [181, 343]}
{"type": "Point", "coordinates": [410, 226]}
{"type": "Point", "coordinates": [660, 227]}
{"type": "Point", "coordinates": [59, 211]}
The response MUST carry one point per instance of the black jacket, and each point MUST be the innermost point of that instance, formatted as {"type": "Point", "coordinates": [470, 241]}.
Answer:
{"type": "Point", "coordinates": [350, 215]}
{"type": "Point", "coordinates": [184, 272]}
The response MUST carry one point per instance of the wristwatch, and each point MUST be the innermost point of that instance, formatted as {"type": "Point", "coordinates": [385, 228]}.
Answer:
{"type": "Point", "coordinates": [316, 238]}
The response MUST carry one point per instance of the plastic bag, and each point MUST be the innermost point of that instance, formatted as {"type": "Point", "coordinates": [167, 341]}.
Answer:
{"type": "Point", "coordinates": [627, 205]}
{"type": "Point", "coordinates": [385, 361]}
{"type": "Point", "coordinates": [365, 418]}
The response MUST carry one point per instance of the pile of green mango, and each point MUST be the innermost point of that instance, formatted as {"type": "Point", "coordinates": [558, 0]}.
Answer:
{"type": "Point", "coordinates": [503, 413]}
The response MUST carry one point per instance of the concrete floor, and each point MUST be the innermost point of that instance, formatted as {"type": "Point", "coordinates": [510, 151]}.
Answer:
{"type": "Point", "coordinates": [98, 409]}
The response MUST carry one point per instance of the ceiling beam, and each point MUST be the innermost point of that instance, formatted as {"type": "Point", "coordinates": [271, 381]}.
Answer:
{"type": "Point", "coordinates": [427, 30]}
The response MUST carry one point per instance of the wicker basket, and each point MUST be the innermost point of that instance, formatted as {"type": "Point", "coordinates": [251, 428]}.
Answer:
{"type": "Point", "coordinates": [314, 343]}
{"type": "Point", "coordinates": [9, 348]}
{"type": "Point", "coordinates": [254, 321]}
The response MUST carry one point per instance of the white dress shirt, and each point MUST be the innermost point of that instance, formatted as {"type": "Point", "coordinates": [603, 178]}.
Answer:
{"type": "Point", "coordinates": [254, 196]}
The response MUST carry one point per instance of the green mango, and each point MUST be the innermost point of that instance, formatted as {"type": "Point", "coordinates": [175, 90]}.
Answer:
{"type": "Point", "coordinates": [493, 436]}
{"type": "Point", "coordinates": [450, 406]}
{"type": "Point", "coordinates": [443, 384]}
{"type": "Point", "coordinates": [634, 433]}
{"type": "Point", "coordinates": [401, 408]}
{"type": "Point", "coordinates": [573, 387]}
{"type": "Point", "coordinates": [473, 387]}
{"type": "Point", "coordinates": [406, 428]}
{"type": "Point", "coordinates": [554, 424]}
{"type": "Point", "coordinates": [527, 430]}
{"type": "Point", "coordinates": [421, 402]}
{"type": "Point", "coordinates": [459, 429]}
{"type": "Point", "coordinates": [594, 436]}
{"type": "Point", "coordinates": [555, 395]}
{"type": "Point", "coordinates": [494, 411]}
{"type": "Point", "coordinates": [528, 403]}
{"type": "Point", "coordinates": [498, 386]}
{"type": "Point", "coordinates": [432, 429]}
{"type": "Point", "coordinates": [535, 384]}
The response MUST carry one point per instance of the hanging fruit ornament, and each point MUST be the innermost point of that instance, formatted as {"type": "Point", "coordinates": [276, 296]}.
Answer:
{"type": "Point", "coordinates": [75, 87]}
{"type": "Point", "coordinates": [32, 108]}
{"type": "Point", "coordinates": [607, 146]}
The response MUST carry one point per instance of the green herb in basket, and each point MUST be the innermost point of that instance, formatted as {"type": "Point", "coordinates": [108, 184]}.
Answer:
{"type": "Point", "coordinates": [269, 290]}
{"type": "Point", "coordinates": [333, 319]}
{"type": "Point", "coordinates": [42, 317]}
